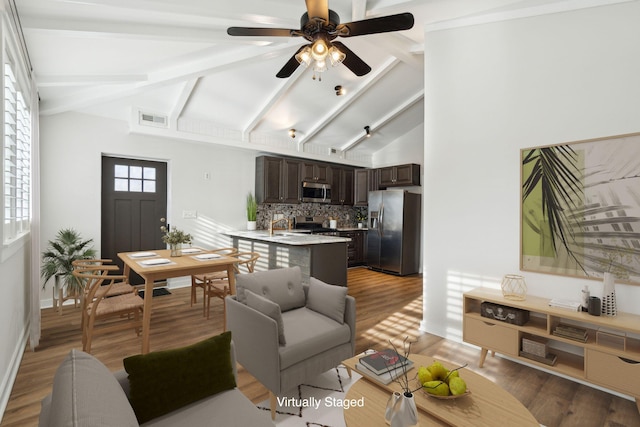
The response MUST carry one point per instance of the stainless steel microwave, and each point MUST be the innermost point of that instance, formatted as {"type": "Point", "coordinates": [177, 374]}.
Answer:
{"type": "Point", "coordinates": [316, 192]}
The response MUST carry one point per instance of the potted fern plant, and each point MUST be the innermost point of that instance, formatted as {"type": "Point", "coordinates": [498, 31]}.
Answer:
{"type": "Point", "coordinates": [57, 260]}
{"type": "Point", "coordinates": [252, 211]}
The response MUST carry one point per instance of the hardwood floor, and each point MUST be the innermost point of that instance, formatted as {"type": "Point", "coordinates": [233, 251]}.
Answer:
{"type": "Point", "coordinates": [387, 307]}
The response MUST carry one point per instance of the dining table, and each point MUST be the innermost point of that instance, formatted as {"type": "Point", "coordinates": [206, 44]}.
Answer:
{"type": "Point", "coordinates": [155, 265]}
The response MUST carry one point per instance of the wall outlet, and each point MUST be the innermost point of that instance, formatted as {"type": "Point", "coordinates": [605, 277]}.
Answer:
{"type": "Point", "coordinates": [189, 214]}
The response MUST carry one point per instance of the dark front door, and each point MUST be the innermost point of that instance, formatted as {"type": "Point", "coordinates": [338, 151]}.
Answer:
{"type": "Point", "coordinates": [134, 207]}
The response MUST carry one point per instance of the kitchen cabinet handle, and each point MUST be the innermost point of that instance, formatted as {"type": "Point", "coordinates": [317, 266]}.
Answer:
{"type": "Point", "coordinates": [631, 362]}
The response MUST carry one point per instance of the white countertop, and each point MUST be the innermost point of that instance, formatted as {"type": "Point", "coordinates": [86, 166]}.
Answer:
{"type": "Point", "coordinates": [288, 237]}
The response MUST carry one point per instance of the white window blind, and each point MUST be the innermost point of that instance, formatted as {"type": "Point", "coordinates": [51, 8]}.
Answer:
{"type": "Point", "coordinates": [17, 160]}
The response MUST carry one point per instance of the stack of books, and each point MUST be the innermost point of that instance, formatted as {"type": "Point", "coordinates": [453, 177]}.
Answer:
{"type": "Point", "coordinates": [571, 332]}
{"type": "Point", "coordinates": [564, 303]}
{"type": "Point", "coordinates": [383, 366]}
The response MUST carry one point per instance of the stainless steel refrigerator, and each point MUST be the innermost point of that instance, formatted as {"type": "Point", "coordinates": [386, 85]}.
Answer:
{"type": "Point", "coordinates": [393, 240]}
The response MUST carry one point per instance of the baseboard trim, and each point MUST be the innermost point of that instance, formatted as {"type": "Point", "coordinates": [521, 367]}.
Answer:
{"type": "Point", "coordinates": [10, 377]}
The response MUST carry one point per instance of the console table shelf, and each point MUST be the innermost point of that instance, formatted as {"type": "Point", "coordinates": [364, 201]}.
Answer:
{"type": "Point", "coordinates": [608, 363]}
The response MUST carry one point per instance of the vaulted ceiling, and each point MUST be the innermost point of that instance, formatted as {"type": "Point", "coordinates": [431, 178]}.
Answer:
{"type": "Point", "coordinates": [173, 61]}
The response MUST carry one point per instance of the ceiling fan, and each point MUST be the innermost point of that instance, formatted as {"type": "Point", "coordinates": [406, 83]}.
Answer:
{"type": "Point", "coordinates": [320, 26]}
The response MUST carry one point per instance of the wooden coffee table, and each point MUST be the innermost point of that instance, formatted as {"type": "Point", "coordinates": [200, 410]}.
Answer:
{"type": "Point", "coordinates": [487, 404]}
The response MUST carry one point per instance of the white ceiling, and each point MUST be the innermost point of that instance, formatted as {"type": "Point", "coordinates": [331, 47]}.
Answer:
{"type": "Point", "coordinates": [173, 58]}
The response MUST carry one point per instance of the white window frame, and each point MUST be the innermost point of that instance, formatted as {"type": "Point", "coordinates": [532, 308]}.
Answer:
{"type": "Point", "coordinates": [15, 155]}
{"type": "Point", "coordinates": [16, 160]}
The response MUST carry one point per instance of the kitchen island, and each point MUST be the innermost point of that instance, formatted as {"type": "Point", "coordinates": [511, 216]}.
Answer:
{"type": "Point", "coordinates": [323, 257]}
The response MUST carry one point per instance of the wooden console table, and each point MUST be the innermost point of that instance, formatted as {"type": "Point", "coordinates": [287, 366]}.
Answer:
{"type": "Point", "coordinates": [607, 363]}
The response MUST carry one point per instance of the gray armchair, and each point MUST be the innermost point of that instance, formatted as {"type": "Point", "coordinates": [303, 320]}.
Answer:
{"type": "Point", "coordinates": [286, 332]}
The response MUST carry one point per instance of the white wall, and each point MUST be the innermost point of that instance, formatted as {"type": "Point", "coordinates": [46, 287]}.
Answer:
{"type": "Point", "coordinates": [491, 90]}
{"type": "Point", "coordinates": [409, 148]}
{"type": "Point", "coordinates": [71, 149]}
{"type": "Point", "coordinates": [14, 318]}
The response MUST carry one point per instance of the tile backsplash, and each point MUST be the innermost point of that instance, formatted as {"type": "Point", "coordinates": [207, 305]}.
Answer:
{"type": "Point", "coordinates": [345, 215]}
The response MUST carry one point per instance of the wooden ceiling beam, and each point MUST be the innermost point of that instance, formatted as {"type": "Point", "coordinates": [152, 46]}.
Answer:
{"type": "Point", "coordinates": [175, 73]}
{"type": "Point", "coordinates": [396, 112]}
{"type": "Point", "coordinates": [371, 80]}
{"type": "Point", "coordinates": [187, 90]}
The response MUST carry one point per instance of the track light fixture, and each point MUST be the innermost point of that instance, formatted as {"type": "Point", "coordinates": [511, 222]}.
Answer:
{"type": "Point", "coordinates": [339, 90]}
{"type": "Point", "coordinates": [367, 129]}
{"type": "Point", "coordinates": [292, 133]}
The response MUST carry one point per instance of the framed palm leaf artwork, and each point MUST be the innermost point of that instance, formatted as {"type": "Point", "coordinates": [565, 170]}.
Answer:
{"type": "Point", "coordinates": [580, 208]}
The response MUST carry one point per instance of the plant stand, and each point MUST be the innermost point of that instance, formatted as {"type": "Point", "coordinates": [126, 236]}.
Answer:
{"type": "Point", "coordinates": [59, 297]}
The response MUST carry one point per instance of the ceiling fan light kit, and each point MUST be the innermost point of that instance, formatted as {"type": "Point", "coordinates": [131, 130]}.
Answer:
{"type": "Point", "coordinates": [320, 25]}
{"type": "Point", "coordinates": [319, 50]}
{"type": "Point", "coordinates": [304, 56]}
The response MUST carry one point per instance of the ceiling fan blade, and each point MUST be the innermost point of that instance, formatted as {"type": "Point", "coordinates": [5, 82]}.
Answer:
{"type": "Point", "coordinates": [352, 61]}
{"type": "Point", "coordinates": [318, 9]}
{"type": "Point", "coordinates": [261, 32]}
{"type": "Point", "coordinates": [291, 65]}
{"type": "Point", "coordinates": [383, 24]}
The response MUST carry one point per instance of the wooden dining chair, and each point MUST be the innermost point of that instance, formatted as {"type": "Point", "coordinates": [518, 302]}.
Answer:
{"type": "Point", "coordinates": [97, 266]}
{"type": "Point", "coordinates": [201, 280]}
{"type": "Point", "coordinates": [220, 288]}
{"type": "Point", "coordinates": [118, 312]}
{"type": "Point", "coordinates": [118, 288]}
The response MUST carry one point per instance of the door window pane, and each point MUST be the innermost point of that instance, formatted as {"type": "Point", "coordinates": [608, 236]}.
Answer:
{"type": "Point", "coordinates": [121, 184]}
{"type": "Point", "coordinates": [135, 172]}
{"type": "Point", "coordinates": [122, 171]}
{"type": "Point", "coordinates": [150, 173]}
{"type": "Point", "coordinates": [149, 186]}
{"type": "Point", "coordinates": [135, 185]}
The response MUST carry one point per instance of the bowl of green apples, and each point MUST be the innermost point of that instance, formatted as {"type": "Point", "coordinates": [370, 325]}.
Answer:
{"type": "Point", "coordinates": [441, 383]}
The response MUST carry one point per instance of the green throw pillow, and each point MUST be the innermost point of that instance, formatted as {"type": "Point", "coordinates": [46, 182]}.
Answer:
{"type": "Point", "coordinates": [163, 381]}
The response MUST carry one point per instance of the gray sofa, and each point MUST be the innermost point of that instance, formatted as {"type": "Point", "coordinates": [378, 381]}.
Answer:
{"type": "Point", "coordinates": [287, 332]}
{"type": "Point", "coordinates": [86, 393]}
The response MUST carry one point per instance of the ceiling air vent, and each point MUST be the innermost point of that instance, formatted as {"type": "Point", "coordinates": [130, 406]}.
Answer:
{"type": "Point", "coordinates": [334, 152]}
{"type": "Point", "coordinates": [153, 120]}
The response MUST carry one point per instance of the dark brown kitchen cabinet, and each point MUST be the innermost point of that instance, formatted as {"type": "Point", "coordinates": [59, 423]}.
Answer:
{"type": "Point", "coordinates": [365, 180]}
{"type": "Point", "coordinates": [356, 247]}
{"type": "Point", "coordinates": [342, 186]}
{"type": "Point", "coordinates": [277, 180]}
{"type": "Point", "coordinates": [316, 172]}
{"type": "Point", "coordinates": [401, 175]}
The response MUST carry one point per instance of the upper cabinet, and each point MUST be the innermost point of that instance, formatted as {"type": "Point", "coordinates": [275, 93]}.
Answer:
{"type": "Point", "coordinates": [397, 176]}
{"type": "Point", "coordinates": [342, 186]}
{"type": "Point", "coordinates": [316, 172]}
{"type": "Point", "coordinates": [277, 180]}
{"type": "Point", "coordinates": [365, 180]}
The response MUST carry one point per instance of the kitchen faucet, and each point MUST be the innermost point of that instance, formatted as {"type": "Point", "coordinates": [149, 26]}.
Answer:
{"type": "Point", "coordinates": [275, 221]}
